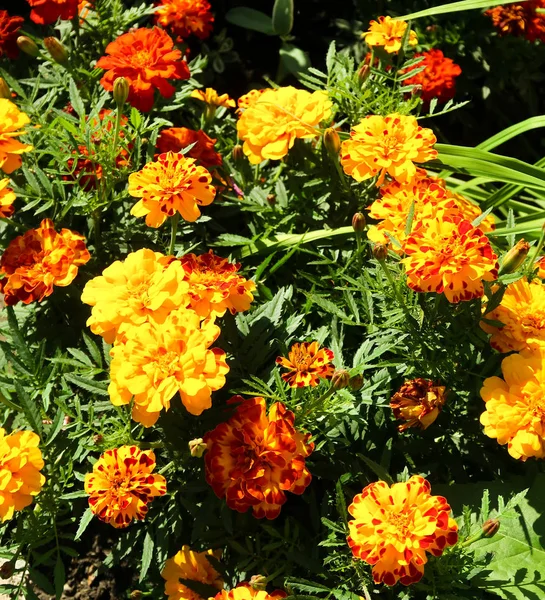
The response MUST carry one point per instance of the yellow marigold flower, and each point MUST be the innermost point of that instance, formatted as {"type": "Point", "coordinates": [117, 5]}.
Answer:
{"type": "Point", "coordinates": [210, 96]}
{"type": "Point", "coordinates": [389, 33]}
{"type": "Point", "coordinates": [394, 527]}
{"type": "Point", "coordinates": [387, 145]}
{"type": "Point", "coordinates": [307, 363]}
{"type": "Point", "coordinates": [244, 591]}
{"type": "Point", "coordinates": [172, 184]}
{"type": "Point", "coordinates": [20, 465]}
{"type": "Point", "coordinates": [145, 286]}
{"type": "Point", "coordinates": [470, 212]}
{"type": "Point", "coordinates": [122, 485]}
{"type": "Point", "coordinates": [194, 566]}
{"type": "Point", "coordinates": [418, 402]}
{"type": "Point", "coordinates": [153, 362]}
{"type": "Point", "coordinates": [7, 198]}
{"type": "Point", "coordinates": [515, 405]}
{"type": "Point", "coordinates": [249, 99]}
{"type": "Point", "coordinates": [270, 126]}
{"type": "Point", "coordinates": [11, 121]}
{"type": "Point", "coordinates": [540, 266]}
{"type": "Point", "coordinates": [522, 312]}
{"type": "Point", "coordinates": [215, 285]}
{"type": "Point", "coordinates": [448, 255]}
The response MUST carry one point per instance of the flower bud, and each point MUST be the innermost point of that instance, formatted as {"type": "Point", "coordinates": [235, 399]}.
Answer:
{"type": "Point", "coordinates": [121, 91]}
{"type": "Point", "coordinates": [7, 569]}
{"type": "Point", "coordinates": [380, 251]}
{"type": "Point", "coordinates": [515, 257]}
{"type": "Point", "coordinates": [98, 439]}
{"type": "Point", "coordinates": [332, 141]}
{"type": "Point", "coordinates": [363, 72]}
{"type": "Point", "coordinates": [237, 153]}
{"type": "Point", "coordinates": [4, 89]}
{"type": "Point", "coordinates": [56, 50]}
{"type": "Point", "coordinates": [417, 90]}
{"type": "Point", "coordinates": [136, 595]}
{"type": "Point", "coordinates": [359, 222]}
{"type": "Point", "coordinates": [197, 447]}
{"type": "Point", "coordinates": [258, 582]}
{"type": "Point", "coordinates": [27, 45]}
{"type": "Point", "coordinates": [490, 527]}
{"type": "Point", "coordinates": [340, 379]}
{"type": "Point", "coordinates": [356, 383]}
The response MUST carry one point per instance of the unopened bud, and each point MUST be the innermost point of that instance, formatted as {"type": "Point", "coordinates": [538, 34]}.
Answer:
{"type": "Point", "coordinates": [363, 72]}
{"type": "Point", "coordinates": [237, 153]}
{"type": "Point", "coordinates": [98, 439]}
{"type": "Point", "coordinates": [359, 222]}
{"type": "Point", "coordinates": [380, 251]}
{"type": "Point", "coordinates": [27, 45]}
{"type": "Point", "coordinates": [136, 595]}
{"type": "Point", "coordinates": [56, 50]}
{"type": "Point", "coordinates": [197, 447]}
{"type": "Point", "coordinates": [258, 582]}
{"type": "Point", "coordinates": [515, 257]}
{"type": "Point", "coordinates": [490, 527]}
{"type": "Point", "coordinates": [356, 382]}
{"type": "Point", "coordinates": [121, 91]}
{"type": "Point", "coordinates": [340, 379]}
{"type": "Point", "coordinates": [271, 199]}
{"type": "Point", "coordinates": [4, 89]}
{"type": "Point", "coordinates": [417, 90]}
{"type": "Point", "coordinates": [7, 569]}
{"type": "Point", "coordinates": [332, 141]}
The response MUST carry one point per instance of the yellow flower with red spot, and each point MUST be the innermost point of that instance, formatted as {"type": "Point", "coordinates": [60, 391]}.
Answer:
{"type": "Point", "coordinates": [190, 565]}
{"type": "Point", "coordinates": [470, 212]}
{"type": "Point", "coordinates": [185, 17]}
{"type": "Point", "coordinates": [249, 99]}
{"type": "Point", "coordinates": [210, 96]}
{"type": "Point", "coordinates": [253, 459]}
{"type": "Point", "coordinates": [245, 591]}
{"type": "Point", "coordinates": [172, 184]}
{"type": "Point", "coordinates": [307, 363]}
{"type": "Point", "coordinates": [515, 405]}
{"type": "Point", "coordinates": [395, 526]}
{"type": "Point", "coordinates": [418, 402]}
{"type": "Point", "coordinates": [388, 145]}
{"type": "Point", "coordinates": [12, 120]}
{"type": "Point", "coordinates": [540, 266]}
{"type": "Point", "coordinates": [270, 126]}
{"type": "Point", "coordinates": [7, 198]}
{"type": "Point", "coordinates": [388, 33]}
{"type": "Point", "coordinates": [122, 484]}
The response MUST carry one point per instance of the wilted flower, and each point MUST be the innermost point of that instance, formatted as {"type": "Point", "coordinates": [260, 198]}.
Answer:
{"type": "Point", "coordinates": [175, 139]}
{"type": "Point", "coordinates": [388, 33]}
{"type": "Point", "coordinates": [307, 363]}
{"type": "Point", "coordinates": [437, 80]}
{"type": "Point", "coordinates": [520, 19]}
{"type": "Point", "coordinates": [9, 26]}
{"type": "Point", "coordinates": [185, 17]}
{"type": "Point", "coordinates": [418, 403]}
{"type": "Point", "coordinates": [211, 97]}
{"type": "Point", "coordinates": [193, 566]}
{"type": "Point", "coordinates": [45, 12]}
{"type": "Point", "coordinates": [7, 198]}
{"type": "Point", "coordinates": [11, 122]}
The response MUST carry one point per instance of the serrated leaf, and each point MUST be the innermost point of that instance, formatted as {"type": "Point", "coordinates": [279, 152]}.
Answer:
{"type": "Point", "coordinates": [86, 518]}
{"type": "Point", "coordinates": [95, 387]}
{"type": "Point", "coordinates": [75, 99]}
{"type": "Point", "coordinates": [56, 426]}
{"type": "Point", "coordinates": [59, 577]}
{"type": "Point", "coordinates": [18, 341]}
{"type": "Point", "coordinates": [147, 554]}
{"type": "Point", "coordinates": [30, 408]}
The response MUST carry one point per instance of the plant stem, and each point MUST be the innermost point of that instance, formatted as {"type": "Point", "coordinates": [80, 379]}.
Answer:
{"type": "Point", "coordinates": [96, 227]}
{"type": "Point", "coordinates": [398, 296]}
{"type": "Point", "coordinates": [536, 252]}
{"type": "Point", "coordinates": [173, 230]}
{"type": "Point", "coordinates": [314, 404]}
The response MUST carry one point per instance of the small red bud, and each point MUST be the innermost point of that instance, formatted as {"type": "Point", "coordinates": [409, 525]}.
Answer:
{"type": "Point", "coordinates": [490, 527]}
{"type": "Point", "coordinates": [359, 222]}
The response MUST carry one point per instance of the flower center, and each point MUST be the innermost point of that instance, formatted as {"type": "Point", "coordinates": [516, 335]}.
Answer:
{"type": "Point", "coordinates": [141, 58]}
{"type": "Point", "coordinates": [401, 522]}
{"type": "Point", "coordinates": [167, 361]}
{"type": "Point", "coordinates": [534, 320]}
{"type": "Point", "coordinates": [391, 142]}
{"type": "Point", "coordinates": [302, 360]}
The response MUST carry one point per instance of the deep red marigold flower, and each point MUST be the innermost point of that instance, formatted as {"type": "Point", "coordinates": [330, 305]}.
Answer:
{"type": "Point", "coordinates": [9, 28]}
{"type": "Point", "coordinates": [147, 59]}
{"type": "Point", "coordinates": [438, 77]}
{"type": "Point", "coordinates": [307, 364]}
{"type": "Point", "coordinates": [175, 139]}
{"type": "Point", "coordinates": [254, 459]}
{"type": "Point", "coordinates": [185, 17]}
{"type": "Point", "coordinates": [418, 402]}
{"type": "Point", "coordinates": [45, 12]}
{"type": "Point", "coordinates": [520, 19]}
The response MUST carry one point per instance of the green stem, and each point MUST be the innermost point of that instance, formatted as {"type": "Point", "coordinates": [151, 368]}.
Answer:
{"type": "Point", "coordinates": [96, 227]}
{"type": "Point", "coordinates": [314, 404]}
{"type": "Point", "coordinates": [398, 296]}
{"type": "Point", "coordinates": [173, 231]}
{"type": "Point", "coordinates": [118, 116]}
{"type": "Point", "coordinates": [537, 250]}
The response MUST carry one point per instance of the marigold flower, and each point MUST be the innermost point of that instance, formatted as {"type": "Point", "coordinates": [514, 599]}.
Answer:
{"type": "Point", "coordinates": [147, 59]}
{"type": "Point", "coordinates": [395, 526]}
{"type": "Point", "coordinates": [270, 126]}
{"type": "Point", "coordinates": [193, 566]}
{"type": "Point", "coordinates": [185, 17]}
{"type": "Point", "coordinates": [249, 99]}
{"type": "Point", "coordinates": [11, 121]}
{"type": "Point", "coordinates": [437, 80]}
{"type": "Point", "coordinates": [448, 255]}
{"type": "Point", "coordinates": [175, 139]}
{"type": "Point", "coordinates": [45, 12]}
{"type": "Point", "coordinates": [9, 27]}
{"type": "Point", "coordinates": [540, 266]}
{"type": "Point", "coordinates": [307, 364]}
{"type": "Point", "coordinates": [211, 97]}
{"type": "Point", "coordinates": [387, 145]}
{"type": "Point", "coordinates": [470, 212]}
{"type": "Point", "coordinates": [418, 402]}
{"type": "Point", "coordinates": [515, 405]}
{"type": "Point", "coordinates": [389, 33]}
{"type": "Point", "coordinates": [20, 465]}
{"type": "Point", "coordinates": [254, 459]}
{"type": "Point", "coordinates": [38, 260]}
{"type": "Point", "coordinates": [172, 184]}
{"type": "Point", "coordinates": [152, 362]}
{"type": "Point", "coordinates": [122, 485]}
{"type": "Point", "coordinates": [7, 198]}
{"type": "Point", "coordinates": [244, 591]}
{"type": "Point", "coordinates": [520, 19]}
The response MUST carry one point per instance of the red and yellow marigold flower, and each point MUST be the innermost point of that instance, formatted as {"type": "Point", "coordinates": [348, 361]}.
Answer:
{"type": "Point", "coordinates": [307, 363]}
{"type": "Point", "coordinates": [45, 12]}
{"type": "Point", "coordinates": [185, 17]}
{"type": "Point", "coordinates": [38, 260]}
{"type": "Point", "coordinates": [171, 184]}
{"type": "Point", "coordinates": [540, 266]}
{"type": "Point", "coordinates": [244, 591]}
{"type": "Point", "coordinates": [12, 120]}
{"type": "Point", "coordinates": [520, 19]}
{"type": "Point", "coordinates": [211, 97]}
{"type": "Point", "coordinates": [254, 459]}
{"type": "Point", "coordinates": [395, 526]}
{"type": "Point", "coordinates": [190, 565]}
{"type": "Point", "coordinates": [249, 99]}
{"type": "Point", "coordinates": [448, 255]}
{"type": "Point", "coordinates": [387, 145]}
{"type": "Point", "coordinates": [147, 59]}
{"type": "Point", "coordinates": [418, 403]}
{"type": "Point", "coordinates": [20, 465]}
{"type": "Point", "coordinates": [175, 139]}
{"type": "Point", "coordinates": [270, 126]}
{"type": "Point", "coordinates": [437, 80]}
{"type": "Point", "coordinates": [153, 362]}
{"type": "Point", "coordinates": [9, 32]}
{"type": "Point", "coordinates": [388, 33]}
{"type": "Point", "coordinates": [122, 484]}
{"type": "Point", "coordinates": [7, 198]}
{"type": "Point", "coordinates": [515, 405]}
{"type": "Point", "coordinates": [469, 211]}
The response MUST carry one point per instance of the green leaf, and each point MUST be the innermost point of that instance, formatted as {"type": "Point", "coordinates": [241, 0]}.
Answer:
{"type": "Point", "coordinates": [455, 7]}
{"type": "Point", "coordinates": [511, 132]}
{"type": "Point", "coordinates": [75, 99]}
{"type": "Point", "coordinates": [95, 387]}
{"type": "Point", "coordinates": [30, 408]}
{"type": "Point", "coordinates": [147, 554]}
{"type": "Point", "coordinates": [86, 518]}
{"type": "Point", "coordinates": [293, 59]}
{"type": "Point", "coordinates": [59, 577]}
{"type": "Point", "coordinates": [18, 341]}
{"type": "Point", "coordinates": [377, 469]}
{"type": "Point", "coordinates": [56, 426]}
{"type": "Point", "coordinates": [282, 17]}
{"type": "Point", "coordinates": [249, 18]}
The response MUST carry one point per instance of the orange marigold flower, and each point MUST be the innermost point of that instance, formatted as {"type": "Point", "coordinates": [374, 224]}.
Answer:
{"type": "Point", "coordinates": [249, 99]}
{"type": "Point", "coordinates": [270, 126]}
{"type": "Point", "coordinates": [7, 198]}
{"type": "Point", "coordinates": [307, 364]}
{"type": "Point", "coordinates": [193, 566]}
{"type": "Point", "coordinates": [215, 285]}
{"type": "Point", "coordinates": [153, 362]}
{"type": "Point", "coordinates": [245, 591]}
{"type": "Point", "coordinates": [147, 59]}
{"type": "Point", "coordinates": [175, 139]}
{"type": "Point", "coordinates": [146, 286]}
{"type": "Point", "coordinates": [38, 260]}
{"type": "Point", "coordinates": [172, 184]}
{"type": "Point", "coordinates": [520, 19]}
{"type": "Point", "coordinates": [418, 402]}
{"type": "Point", "coordinates": [387, 145]}
{"type": "Point", "coordinates": [45, 12]}
{"type": "Point", "coordinates": [185, 17]}
{"type": "Point", "coordinates": [210, 96]}
{"type": "Point", "coordinates": [254, 459]}
{"type": "Point", "coordinates": [388, 34]}
{"type": "Point", "coordinates": [395, 526]}
{"type": "Point", "coordinates": [20, 465]}
{"type": "Point", "coordinates": [11, 121]}
{"type": "Point", "coordinates": [9, 32]}
{"type": "Point", "coordinates": [122, 485]}
{"type": "Point", "coordinates": [470, 212]}
{"type": "Point", "coordinates": [540, 266]}
{"type": "Point", "coordinates": [438, 77]}
{"type": "Point", "coordinates": [515, 405]}
{"type": "Point", "coordinates": [448, 255]}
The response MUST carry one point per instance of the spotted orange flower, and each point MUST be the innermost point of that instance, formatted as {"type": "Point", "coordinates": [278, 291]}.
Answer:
{"type": "Point", "coordinates": [7, 198]}
{"type": "Point", "coordinates": [147, 59]}
{"type": "Point", "coordinates": [520, 19]}
{"type": "Point", "coordinates": [38, 260]}
{"type": "Point", "coordinates": [388, 34]}
{"type": "Point", "coordinates": [448, 255]}
{"type": "Point", "coordinates": [12, 120]}
{"type": "Point", "coordinates": [122, 484]}
{"type": "Point", "coordinates": [9, 32]}
{"type": "Point", "coordinates": [185, 17]}
{"type": "Point", "coordinates": [249, 99]}
{"type": "Point", "coordinates": [307, 363]}
{"type": "Point", "coordinates": [254, 459]}
{"type": "Point", "coordinates": [175, 139]}
{"type": "Point", "coordinates": [210, 96]}
{"type": "Point", "coordinates": [387, 145]}
{"type": "Point", "coordinates": [245, 591]}
{"type": "Point", "coordinates": [418, 402]}
{"type": "Point", "coordinates": [395, 526]}
{"type": "Point", "coordinates": [438, 79]}
{"type": "Point", "coordinates": [193, 566]}
{"type": "Point", "coordinates": [45, 12]}
{"type": "Point", "coordinates": [540, 266]}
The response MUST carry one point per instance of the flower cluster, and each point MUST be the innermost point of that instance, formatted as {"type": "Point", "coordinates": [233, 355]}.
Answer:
{"type": "Point", "coordinates": [12, 120]}
{"type": "Point", "coordinates": [438, 78]}
{"type": "Point", "coordinates": [185, 17]}
{"type": "Point", "coordinates": [387, 33]}
{"type": "Point", "coordinates": [307, 363]}
{"type": "Point", "coordinates": [176, 139]}
{"type": "Point", "coordinates": [193, 566]}
{"type": "Point", "coordinates": [525, 20]}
